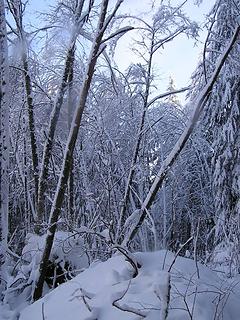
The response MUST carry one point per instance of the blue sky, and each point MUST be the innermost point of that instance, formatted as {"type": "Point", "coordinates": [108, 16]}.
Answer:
{"type": "Point", "coordinates": [179, 57]}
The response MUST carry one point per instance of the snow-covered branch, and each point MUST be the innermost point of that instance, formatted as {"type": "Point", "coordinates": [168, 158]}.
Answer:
{"type": "Point", "coordinates": [167, 164]}
{"type": "Point", "coordinates": [167, 94]}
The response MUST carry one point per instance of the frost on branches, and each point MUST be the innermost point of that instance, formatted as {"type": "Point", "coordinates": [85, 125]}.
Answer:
{"type": "Point", "coordinates": [4, 144]}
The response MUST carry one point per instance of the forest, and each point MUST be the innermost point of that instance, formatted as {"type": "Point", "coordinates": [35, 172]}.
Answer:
{"type": "Point", "coordinates": [119, 199]}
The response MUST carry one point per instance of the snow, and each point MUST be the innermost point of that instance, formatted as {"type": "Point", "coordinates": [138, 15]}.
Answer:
{"type": "Point", "coordinates": [91, 294]}
{"type": "Point", "coordinates": [67, 247]}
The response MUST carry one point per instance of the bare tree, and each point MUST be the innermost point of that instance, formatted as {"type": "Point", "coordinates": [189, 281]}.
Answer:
{"type": "Point", "coordinates": [4, 145]}
{"type": "Point", "coordinates": [97, 49]}
{"type": "Point", "coordinates": [17, 8]}
{"type": "Point", "coordinates": [79, 19]}
{"type": "Point", "coordinates": [154, 37]}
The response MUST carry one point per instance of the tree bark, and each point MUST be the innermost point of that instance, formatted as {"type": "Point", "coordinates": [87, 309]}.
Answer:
{"type": "Point", "coordinates": [50, 137]}
{"type": "Point", "coordinates": [31, 119]}
{"type": "Point", "coordinates": [122, 217]}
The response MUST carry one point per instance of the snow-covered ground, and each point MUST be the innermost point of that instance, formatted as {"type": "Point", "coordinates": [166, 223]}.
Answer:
{"type": "Point", "coordinates": [106, 289]}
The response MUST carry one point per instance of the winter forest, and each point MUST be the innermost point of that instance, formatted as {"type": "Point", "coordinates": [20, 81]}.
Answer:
{"type": "Point", "coordinates": [119, 191]}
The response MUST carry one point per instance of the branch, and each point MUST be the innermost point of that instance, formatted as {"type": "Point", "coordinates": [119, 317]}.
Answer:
{"type": "Point", "coordinates": [109, 18]}
{"type": "Point", "coordinates": [126, 308]}
{"type": "Point", "coordinates": [130, 259]}
{"type": "Point", "coordinates": [206, 42]}
{"type": "Point", "coordinates": [166, 94]}
{"type": "Point", "coordinates": [85, 301]}
{"type": "Point", "coordinates": [169, 38]}
{"type": "Point", "coordinates": [118, 32]}
{"type": "Point", "coordinates": [177, 253]}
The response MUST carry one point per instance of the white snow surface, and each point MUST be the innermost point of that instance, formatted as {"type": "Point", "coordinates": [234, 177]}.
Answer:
{"type": "Point", "coordinates": [90, 295]}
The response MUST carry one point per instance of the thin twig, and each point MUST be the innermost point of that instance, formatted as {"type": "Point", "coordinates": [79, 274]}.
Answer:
{"type": "Point", "coordinates": [177, 253]}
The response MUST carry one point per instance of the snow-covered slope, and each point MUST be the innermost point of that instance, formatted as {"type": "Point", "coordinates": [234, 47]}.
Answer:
{"type": "Point", "coordinates": [91, 294]}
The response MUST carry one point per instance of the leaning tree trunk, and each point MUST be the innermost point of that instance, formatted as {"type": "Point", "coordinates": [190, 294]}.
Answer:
{"type": "Point", "coordinates": [62, 183]}
{"type": "Point", "coordinates": [70, 204]}
{"type": "Point", "coordinates": [31, 118]}
{"type": "Point", "coordinates": [4, 145]}
{"type": "Point", "coordinates": [135, 221]}
{"type": "Point", "coordinates": [65, 82]}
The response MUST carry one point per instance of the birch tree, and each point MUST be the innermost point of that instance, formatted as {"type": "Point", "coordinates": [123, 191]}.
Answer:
{"type": "Point", "coordinates": [4, 145]}
{"type": "Point", "coordinates": [79, 19]}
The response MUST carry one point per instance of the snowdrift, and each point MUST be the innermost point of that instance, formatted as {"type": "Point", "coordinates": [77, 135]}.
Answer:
{"type": "Point", "coordinates": [107, 291]}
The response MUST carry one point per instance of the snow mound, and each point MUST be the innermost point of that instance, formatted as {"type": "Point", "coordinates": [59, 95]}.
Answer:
{"type": "Point", "coordinates": [107, 291]}
{"type": "Point", "coordinates": [68, 258]}
{"type": "Point", "coordinates": [66, 247]}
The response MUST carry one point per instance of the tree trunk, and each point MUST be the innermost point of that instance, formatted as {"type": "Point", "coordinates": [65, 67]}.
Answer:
{"type": "Point", "coordinates": [4, 145]}
{"type": "Point", "coordinates": [66, 81]}
{"type": "Point", "coordinates": [70, 203]}
{"type": "Point", "coordinates": [16, 9]}
{"type": "Point", "coordinates": [50, 137]}
{"type": "Point", "coordinates": [31, 119]}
